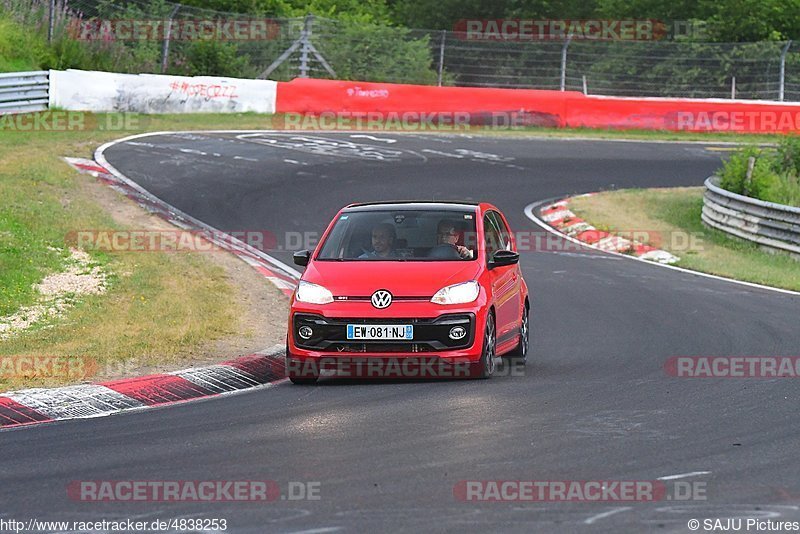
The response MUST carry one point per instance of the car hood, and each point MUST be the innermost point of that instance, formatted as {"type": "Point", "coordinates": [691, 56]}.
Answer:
{"type": "Point", "coordinates": [401, 278]}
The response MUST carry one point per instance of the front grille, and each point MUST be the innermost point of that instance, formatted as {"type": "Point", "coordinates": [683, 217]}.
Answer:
{"type": "Point", "coordinates": [430, 335]}
{"type": "Point", "coordinates": [380, 347]}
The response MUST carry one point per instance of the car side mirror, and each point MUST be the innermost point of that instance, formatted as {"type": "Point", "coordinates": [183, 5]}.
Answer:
{"type": "Point", "coordinates": [503, 257]}
{"type": "Point", "coordinates": [301, 257]}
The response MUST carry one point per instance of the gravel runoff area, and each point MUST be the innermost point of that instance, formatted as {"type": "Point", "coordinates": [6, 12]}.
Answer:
{"type": "Point", "coordinates": [58, 292]}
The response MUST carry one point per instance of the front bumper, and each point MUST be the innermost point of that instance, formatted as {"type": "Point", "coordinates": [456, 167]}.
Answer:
{"type": "Point", "coordinates": [432, 324]}
{"type": "Point", "coordinates": [329, 335]}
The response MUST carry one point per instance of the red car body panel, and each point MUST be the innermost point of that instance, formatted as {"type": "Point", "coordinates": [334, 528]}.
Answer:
{"type": "Point", "coordinates": [502, 290]}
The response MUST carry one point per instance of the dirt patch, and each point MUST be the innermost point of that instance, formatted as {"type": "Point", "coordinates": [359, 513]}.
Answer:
{"type": "Point", "coordinates": [57, 291]}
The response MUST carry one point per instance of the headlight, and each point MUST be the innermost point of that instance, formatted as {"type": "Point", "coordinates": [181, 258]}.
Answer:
{"type": "Point", "coordinates": [313, 293]}
{"type": "Point", "coordinates": [457, 294]}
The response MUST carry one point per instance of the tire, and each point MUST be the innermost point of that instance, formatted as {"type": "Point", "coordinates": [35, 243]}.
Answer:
{"type": "Point", "coordinates": [486, 365]}
{"type": "Point", "coordinates": [520, 353]}
{"type": "Point", "coordinates": [300, 376]}
{"type": "Point", "coordinates": [303, 381]}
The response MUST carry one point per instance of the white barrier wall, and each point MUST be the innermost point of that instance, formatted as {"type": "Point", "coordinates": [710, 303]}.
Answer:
{"type": "Point", "coordinates": [152, 93]}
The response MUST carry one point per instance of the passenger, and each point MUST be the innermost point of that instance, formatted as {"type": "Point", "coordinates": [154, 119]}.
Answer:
{"type": "Point", "coordinates": [383, 238]}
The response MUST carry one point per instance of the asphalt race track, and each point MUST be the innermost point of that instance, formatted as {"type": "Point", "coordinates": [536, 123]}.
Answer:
{"type": "Point", "coordinates": [594, 404]}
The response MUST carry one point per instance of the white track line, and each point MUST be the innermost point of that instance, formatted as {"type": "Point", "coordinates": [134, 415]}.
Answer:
{"type": "Point", "coordinates": [529, 213]}
{"type": "Point", "coordinates": [100, 159]}
{"type": "Point", "coordinates": [603, 515]}
{"type": "Point", "coordinates": [684, 475]}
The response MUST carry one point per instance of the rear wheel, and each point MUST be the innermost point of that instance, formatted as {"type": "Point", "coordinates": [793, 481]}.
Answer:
{"type": "Point", "coordinates": [520, 353]}
{"type": "Point", "coordinates": [486, 365]}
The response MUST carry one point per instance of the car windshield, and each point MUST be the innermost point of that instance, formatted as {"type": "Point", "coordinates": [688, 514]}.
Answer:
{"type": "Point", "coordinates": [402, 235]}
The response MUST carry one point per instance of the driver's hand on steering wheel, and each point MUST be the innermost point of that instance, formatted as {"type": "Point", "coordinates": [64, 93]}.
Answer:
{"type": "Point", "coordinates": [464, 252]}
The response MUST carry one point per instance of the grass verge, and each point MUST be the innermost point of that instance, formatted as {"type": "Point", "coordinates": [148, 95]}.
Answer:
{"type": "Point", "coordinates": [160, 308]}
{"type": "Point", "coordinates": [671, 218]}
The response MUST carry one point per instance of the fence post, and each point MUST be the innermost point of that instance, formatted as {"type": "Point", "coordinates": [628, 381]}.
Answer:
{"type": "Point", "coordinates": [564, 62]}
{"type": "Point", "coordinates": [585, 87]}
{"type": "Point", "coordinates": [51, 21]}
{"type": "Point", "coordinates": [307, 27]}
{"type": "Point", "coordinates": [748, 178]}
{"type": "Point", "coordinates": [304, 44]}
{"type": "Point", "coordinates": [733, 87]}
{"type": "Point", "coordinates": [441, 56]}
{"type": "Point", "coordinates": [167, 36]}
{"type": "Point", "coordinates": [783, 69]}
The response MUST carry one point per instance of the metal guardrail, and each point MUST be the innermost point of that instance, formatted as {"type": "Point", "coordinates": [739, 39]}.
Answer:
{"type": "Point", "coordinates": [21, 92]}
{"type": "Point", "coordinates": [773, 226]}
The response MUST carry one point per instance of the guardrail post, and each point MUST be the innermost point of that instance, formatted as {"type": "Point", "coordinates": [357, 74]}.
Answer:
{"type": "Point", "coordinates": [783, 70]}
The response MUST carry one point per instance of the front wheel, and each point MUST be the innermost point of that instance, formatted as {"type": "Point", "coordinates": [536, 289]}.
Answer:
{"type": "Point", "coordinates": [486, 365]}
{"type": "Point", "coordinates": [520, 353]}
{"type": "Point", "coordinates": [299, 373]}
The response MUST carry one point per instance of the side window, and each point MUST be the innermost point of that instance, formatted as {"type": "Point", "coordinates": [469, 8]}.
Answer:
{"type": "Point", "coordinates": [491, 235]}
{"type": "Point", "coordinates": [505, 235]}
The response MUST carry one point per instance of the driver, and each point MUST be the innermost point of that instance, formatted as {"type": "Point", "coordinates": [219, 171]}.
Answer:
{"type": "Point", "coordinates": [383, 238]}
{"type": "Point", "coordinates": [447, 239]}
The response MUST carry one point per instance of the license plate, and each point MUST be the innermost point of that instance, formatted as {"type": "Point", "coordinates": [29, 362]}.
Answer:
{"type": "Point", "coordinates": [380, 331]}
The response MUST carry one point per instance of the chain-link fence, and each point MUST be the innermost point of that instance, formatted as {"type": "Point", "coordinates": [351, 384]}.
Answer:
{"type": "Point", "coordinates": [324, 48]}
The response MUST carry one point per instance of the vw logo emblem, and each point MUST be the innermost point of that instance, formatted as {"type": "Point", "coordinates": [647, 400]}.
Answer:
{"type": "Point", "coordinates": [381, 299]}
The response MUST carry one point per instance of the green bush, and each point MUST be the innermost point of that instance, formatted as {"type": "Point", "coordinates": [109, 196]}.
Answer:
{"type": "Point", "coordinates": [764, 178]}
{"type": "Point", "coordinates": [378, 53]}
{"type": "Point", "coordinates": [213, 58]}
{"type": "Point", "coordinates": [20, 49]}
{"type": "Point", "coordinates": [784, 190]}
{"type": "Point", "coordinates": [789, 154]}
{"type": "Point", "coordinates": [776, 173]}
{"type": "Point", "coordinates": [734, 171]}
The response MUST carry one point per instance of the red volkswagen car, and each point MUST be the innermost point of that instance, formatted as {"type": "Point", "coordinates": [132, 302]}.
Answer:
{"type": "Point", "coordinates": [409, 289]}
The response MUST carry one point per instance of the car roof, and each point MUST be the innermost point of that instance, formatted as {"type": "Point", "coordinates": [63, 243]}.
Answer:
{"type": "Point", "coordinates": [427, 205]}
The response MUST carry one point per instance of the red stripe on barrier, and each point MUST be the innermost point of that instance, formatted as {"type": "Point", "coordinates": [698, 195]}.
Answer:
{"type": "Point", "coordinates": [158, 389]}
{"type": "Point", "coordinates": [305, 95]}
{"type": "Point", "coordinates": [691, 115]}
{"type": "Point", "coordinates": [13, 413]}
{"type": "Point", "coordinates": [539, 108]}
